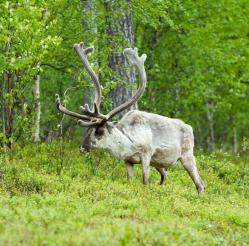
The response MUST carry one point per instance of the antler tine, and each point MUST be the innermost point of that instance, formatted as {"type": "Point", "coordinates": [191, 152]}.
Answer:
{"type": "Point", "coordinates": [82, 53]}
{"type": "Point", "coordinates": [93, 113]}
{"type": "Point", "coordinates": [138, 62]}
{"type": "Point", "coordinates": [85, 121]}
{"type": "Point", "coordinates": [94, 117]}
{"type": "Point", "coordinates": [88, 118]}
{"type": "Point", "coordinates": [88, 124]}
{"type": "Point", "coordinates": [68, 112]}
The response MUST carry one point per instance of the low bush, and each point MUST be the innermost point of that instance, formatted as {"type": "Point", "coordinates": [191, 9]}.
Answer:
{"type": "Point", "coordinates": [86, 200]}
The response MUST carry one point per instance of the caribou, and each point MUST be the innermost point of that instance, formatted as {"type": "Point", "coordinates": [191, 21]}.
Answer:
{"type": "Point", "coordinates": [139, 137]}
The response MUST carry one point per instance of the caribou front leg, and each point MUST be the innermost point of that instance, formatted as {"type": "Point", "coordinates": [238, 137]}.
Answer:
{"type": "Point", "coordinates": [129, 168]}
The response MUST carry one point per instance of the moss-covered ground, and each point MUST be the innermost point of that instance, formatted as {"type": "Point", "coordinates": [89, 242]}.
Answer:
{"type": "Point", "coordinates": [87, 200]}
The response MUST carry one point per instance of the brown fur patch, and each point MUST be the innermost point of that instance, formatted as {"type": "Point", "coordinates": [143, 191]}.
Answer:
{"type": "Point", "coordinates": [188, 139]}
{"type": "Point", "coordinates": [120, 126]}
{"type": "Point", "coordinates": [158, 154]}
{"type": "Point", "coordinates": [136, 119]}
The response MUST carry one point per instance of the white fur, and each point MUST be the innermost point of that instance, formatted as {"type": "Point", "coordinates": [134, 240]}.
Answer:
{"type": "Point", "coordinates": [141, 137]}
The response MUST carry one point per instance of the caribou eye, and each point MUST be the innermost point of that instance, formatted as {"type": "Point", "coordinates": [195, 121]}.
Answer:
{"type": "Point", "coordinates": [100, 131]}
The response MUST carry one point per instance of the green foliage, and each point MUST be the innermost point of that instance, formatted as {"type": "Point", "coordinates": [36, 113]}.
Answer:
{"type": "Point", "coordinates": [27, 37]}
{"type": "Point", "coordinates": [91, 203]}
{"type": "Point", "coordinates": [197, 61]}
{"type": "Point", "coordinates": [197, 70]}
{"type": "Point", "coordinates": [201, 61]}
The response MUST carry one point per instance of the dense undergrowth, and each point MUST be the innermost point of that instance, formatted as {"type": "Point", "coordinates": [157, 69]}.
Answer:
{"type": "Point", "coordinates": [86, 200]}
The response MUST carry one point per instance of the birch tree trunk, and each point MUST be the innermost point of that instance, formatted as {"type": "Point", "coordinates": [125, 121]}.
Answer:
{"type": "Point", "coordinates": [37, 109]}
{"type": "Point", "coordinates": [120, 35]}
{"type": "Point", "coordinates": [210, 122]}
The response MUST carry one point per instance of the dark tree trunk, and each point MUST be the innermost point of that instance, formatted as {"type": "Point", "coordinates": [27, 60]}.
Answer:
{"type": "Point", "coordinates": [234, 135]}
{"type": "Point", "coordinates": [120, 35]}
{"type": "Point", "coordinates": [89, 27]}
{"type": "Point", "coordinates": [3, 113]}
{"type": "Point", "coordinates": [7, 101]}
{"type": "Point", "coordinates": [235, 141]}
{"type": "Point", "coordinates": [9, 107]}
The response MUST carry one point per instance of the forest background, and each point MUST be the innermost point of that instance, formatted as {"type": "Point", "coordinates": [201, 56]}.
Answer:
{"type": "Point", "coordinates": [197, 65]}
{"type": "Point", "coordinates": [198, 70]}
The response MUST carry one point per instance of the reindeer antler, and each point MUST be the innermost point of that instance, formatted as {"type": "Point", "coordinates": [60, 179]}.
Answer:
{"type": "Point", "coordinates": [138, 62]}
{"type": "Point", "coordinates": [82, 53]}
{"type": "Point", "coordinates": [94, 117]}
{"type": "Point", "coordinates": [89, 117]}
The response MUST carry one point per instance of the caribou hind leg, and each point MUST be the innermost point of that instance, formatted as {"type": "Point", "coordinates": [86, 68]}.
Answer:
{"type": "Point", "coordinates": [163, 174]}
{"type": "Point", "coordinates": [146, 167]}
{"type": "Point", "coordinates": [188, 161]}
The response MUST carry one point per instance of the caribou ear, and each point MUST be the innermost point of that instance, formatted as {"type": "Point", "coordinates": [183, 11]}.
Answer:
{"type": "Point", "coordinates": [100, 130]}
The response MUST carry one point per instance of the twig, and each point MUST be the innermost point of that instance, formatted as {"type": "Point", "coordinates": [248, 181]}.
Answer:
{"type": "Point", "coordinates": [61, 133]}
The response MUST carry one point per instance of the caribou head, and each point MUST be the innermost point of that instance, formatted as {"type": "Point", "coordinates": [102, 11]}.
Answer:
{"type": "Point", "coordinates": [100, 129]}
{"type": "Point", "coordinates": [139, 137]}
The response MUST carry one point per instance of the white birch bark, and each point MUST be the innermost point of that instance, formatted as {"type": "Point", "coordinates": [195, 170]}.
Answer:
{"type": "Point", "coordinates": [37, 106]}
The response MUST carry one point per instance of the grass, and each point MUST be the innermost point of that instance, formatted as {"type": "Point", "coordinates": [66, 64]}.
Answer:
{"type": "Point", "coordinates": [86, 200]}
